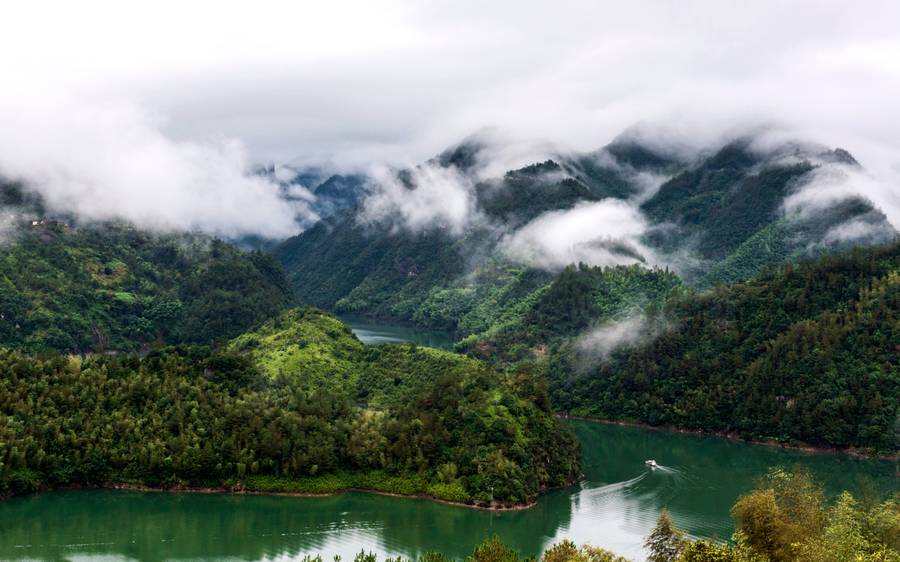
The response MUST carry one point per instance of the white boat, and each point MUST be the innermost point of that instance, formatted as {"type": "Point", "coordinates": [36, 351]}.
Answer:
{"type": "Point", "coordinates": [651, 463]}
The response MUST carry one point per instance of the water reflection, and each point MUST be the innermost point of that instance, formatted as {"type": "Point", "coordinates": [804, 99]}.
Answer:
{"type": "Point", "coordinates": [615, 506]}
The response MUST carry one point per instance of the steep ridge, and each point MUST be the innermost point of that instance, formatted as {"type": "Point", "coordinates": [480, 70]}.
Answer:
{"type": "Point", "coordinates": [803, 353]}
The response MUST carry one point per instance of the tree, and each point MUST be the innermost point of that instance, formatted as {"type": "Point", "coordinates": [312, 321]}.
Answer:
{"type": "Point", "coordinates": [787, 509]}
{"type": "Point", "coordinates": [666, 542]}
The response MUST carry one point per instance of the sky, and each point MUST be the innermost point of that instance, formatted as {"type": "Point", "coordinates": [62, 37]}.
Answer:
{"type": "Point", "coordinates": [158, 112]}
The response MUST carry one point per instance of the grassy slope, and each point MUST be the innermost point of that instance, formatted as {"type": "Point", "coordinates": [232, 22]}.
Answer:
{"type": "Point", "coordinates": [307, 347]}
{"type": "Point", "coordinates": [477, 422]}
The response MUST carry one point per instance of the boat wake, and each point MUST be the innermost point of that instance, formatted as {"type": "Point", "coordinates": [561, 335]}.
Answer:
{"type": "Point", "coordinates": [614, 488]}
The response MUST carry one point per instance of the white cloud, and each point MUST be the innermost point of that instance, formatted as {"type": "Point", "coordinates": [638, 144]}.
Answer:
{"type": "Point", "coordinates": [853, 230]}
{"type": "Point", "coordinates": [437, 197]}
{"type": "Point", "coordinates": [831, 183]}
{"type": "Point", "coordinates": [359, 83]}
{"type": "Point", "coordinates": [114, 162]}
{"type": "Point", "coordinates": [599, 343]}
{"type": "Point", "coordinates": [601, 233]}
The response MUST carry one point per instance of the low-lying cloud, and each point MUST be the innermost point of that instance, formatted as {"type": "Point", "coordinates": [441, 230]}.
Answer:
{"type": "Point", "coordinates": [602, 233]}
{"type": "Point", "coordinates": [831, 183]}
{"type": "Point", "coordinates": [857, 230]}
{"type": "Point", "coordinates": [599, 343]}
{"type": "Point", "coordinates": [115, 163]}
{"type": "Point", "coordinates": [355, 83]}
{"type": "Point", "coordinates": [422, 198]}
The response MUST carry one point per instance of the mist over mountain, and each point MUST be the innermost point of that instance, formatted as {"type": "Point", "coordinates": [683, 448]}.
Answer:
{"type": "Point", "coordinates": [422, 235]}
{"type": "Point", "coordinates": [231, 233]}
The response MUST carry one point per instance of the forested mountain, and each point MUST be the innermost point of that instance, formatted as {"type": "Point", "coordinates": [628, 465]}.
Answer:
{"type": "Point", "coordinates": [281, 398]}
{"type": "Point", "coordinates": [726, 339]}
{"type": "Point", "coordinates": [275, 399]}
{"type": "Point", "coordinates": [805, 352]}
{"type": "Point", "coordinates": [728, 211]}
{"type": "Point", "coordinates": [578, 299]}
{"type": "Point", "coordinates": [721, 217]}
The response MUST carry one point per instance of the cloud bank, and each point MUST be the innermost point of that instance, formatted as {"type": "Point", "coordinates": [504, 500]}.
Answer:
{"type": "Point", "coordinates": [352, 83]}
{"type": "Point", "coordinates": [115, 163]}
{"type": "Point", "coordinates": [599, 343]}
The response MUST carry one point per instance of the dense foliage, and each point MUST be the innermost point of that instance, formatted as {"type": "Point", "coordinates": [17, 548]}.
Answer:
{"type": "Point", "coordinates": [447, 426]}
{"type": "Point", "coordinates": [806, 352]}
{"type": "Point", "coordinates": [112, 287]}
{"type": "Point", "coordinates": [787, 519]}
{"type": "Point", "coordinates": [578, 299]}
{"type": "Point", "coordinates": [311, 349]}
{"type": "Point", "coordinates": [729, 212]}
{"type": "Point", "coordinates": [432, 277]}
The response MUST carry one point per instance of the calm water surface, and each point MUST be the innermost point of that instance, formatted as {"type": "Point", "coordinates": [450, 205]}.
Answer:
{"type": "Point", "coordinates": [614, 506]}
{"type": "Point", "coordinates": [373, 333]}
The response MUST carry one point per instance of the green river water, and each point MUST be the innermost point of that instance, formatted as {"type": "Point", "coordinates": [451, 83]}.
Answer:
{"type": "Point", "coordinates": [614, 506]}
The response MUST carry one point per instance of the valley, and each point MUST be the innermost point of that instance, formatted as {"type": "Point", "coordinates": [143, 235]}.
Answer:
{"type": "Point", "coordinates": [449, 362]}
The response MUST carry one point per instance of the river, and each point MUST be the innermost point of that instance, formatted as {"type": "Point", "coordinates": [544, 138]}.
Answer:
{"type": "Point", "coordinates": [372, 332]}
{"type": "Point", "coordinates": [614, 506]}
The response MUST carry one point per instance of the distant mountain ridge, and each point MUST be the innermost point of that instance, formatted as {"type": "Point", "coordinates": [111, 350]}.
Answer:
{"type": "Point", "coordinates": [716, 217]}
{"type": "Point", "coordinates": [328, 192]}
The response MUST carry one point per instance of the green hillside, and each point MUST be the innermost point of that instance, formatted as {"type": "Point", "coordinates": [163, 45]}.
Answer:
{"type": "Point", "coordinates": [579, 298]}
{"type": "Point", "coordinates": [111, 287]}
{"type": "Point", "coordinates": [298, 405]}
{"type": "Point", "coordinates": [308, 349]}
{"type": "Point", "coordinates": [695, 358]}
{"type": "Point", "coordinates": [728, 211]}
{"type": "Point", "coordinates": [805, 352]}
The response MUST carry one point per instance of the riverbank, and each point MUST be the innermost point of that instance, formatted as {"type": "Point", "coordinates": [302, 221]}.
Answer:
{"type": "Point", "coordinates": [240, 490]}
{"type": "Point", "coordinates": [795, 445]}
{"type": "Point", "coordinates": [376, 482]}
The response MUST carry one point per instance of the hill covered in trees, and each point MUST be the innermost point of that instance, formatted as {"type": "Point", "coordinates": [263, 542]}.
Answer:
{"type": "Point", "coordinates": [727, 339]}
{"type": "Point", "coordinates": [805, 352]}
{"type": "Point", "coordinates": [299, 405]}
{"type": "Point", "coordinates": [112, 287]}
{"type": "Point", "coordinates": [176, 360]}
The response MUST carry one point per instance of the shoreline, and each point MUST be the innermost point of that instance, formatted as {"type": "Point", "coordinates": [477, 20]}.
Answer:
{"type": "Point", "coordinates": [238, 490]}
{"type": "Point", "coordinates": [796, 446]}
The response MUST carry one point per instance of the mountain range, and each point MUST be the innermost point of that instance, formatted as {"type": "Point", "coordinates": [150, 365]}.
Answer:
{"type": "Point", "coordinates": [720, 216]}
